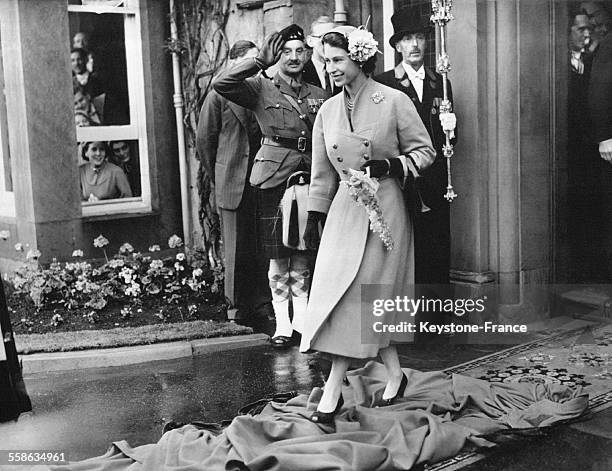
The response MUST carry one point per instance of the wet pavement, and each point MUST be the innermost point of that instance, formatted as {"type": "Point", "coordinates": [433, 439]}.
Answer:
{"type": "Point", "coordinates": [82, 411]}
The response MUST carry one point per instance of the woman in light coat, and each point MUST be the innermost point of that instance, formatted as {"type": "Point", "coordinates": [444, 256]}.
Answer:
{"type": "Point", "coordinates": [368, 125]}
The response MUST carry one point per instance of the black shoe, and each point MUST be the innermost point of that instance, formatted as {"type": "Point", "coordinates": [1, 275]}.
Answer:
{"type": "Point", "coordinates": [280, 341]}
{"type": "Point", "coordinates": [400, 393]}
{"type": "Point", "coordinates": [319, 417]}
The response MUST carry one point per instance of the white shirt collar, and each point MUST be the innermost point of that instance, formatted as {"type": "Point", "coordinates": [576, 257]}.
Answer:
{"type": "Point", "coordinates": [414, 74]}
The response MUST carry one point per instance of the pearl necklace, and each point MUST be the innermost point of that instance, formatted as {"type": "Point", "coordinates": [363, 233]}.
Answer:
{"type": "Point", "coordinates": [349, 103]}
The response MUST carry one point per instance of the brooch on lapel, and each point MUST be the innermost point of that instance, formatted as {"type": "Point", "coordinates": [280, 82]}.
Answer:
{"type": "Point", "coordinates": [377, 97]}
{"type": "Point", "coordinates": [314, 104]}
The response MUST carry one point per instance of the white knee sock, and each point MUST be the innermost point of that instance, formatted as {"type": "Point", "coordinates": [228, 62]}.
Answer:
{"type": "Point", "coordinates": [279, 287]}
{"type": "Point", "coordinates": [300, 286]}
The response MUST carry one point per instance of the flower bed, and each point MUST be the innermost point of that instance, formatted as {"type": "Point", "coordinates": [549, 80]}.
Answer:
{"type": "Point", "coordinates": [128, 289]}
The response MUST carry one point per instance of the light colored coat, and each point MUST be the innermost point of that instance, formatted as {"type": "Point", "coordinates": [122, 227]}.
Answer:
{"type": "Point", "coordinates": [386, 124]}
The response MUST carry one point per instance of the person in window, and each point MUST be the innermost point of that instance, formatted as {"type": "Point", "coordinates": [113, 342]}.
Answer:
{"type": "Point", "coordinates": [82, 79]}
{"type": "Point", "coordinates": [121, 156]}
{"type": "Point", "coordinates": [81, 41]}
{"type": "Point", "coordinates": [84, 106]}
{"type": "Point", "coordinates": [348, 134]}
{"type": "Point", "coordinates": [100, 179]}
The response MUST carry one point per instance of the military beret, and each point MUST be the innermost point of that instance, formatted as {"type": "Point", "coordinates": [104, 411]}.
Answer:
{"type": "Point", "coordinates": [292, 32]}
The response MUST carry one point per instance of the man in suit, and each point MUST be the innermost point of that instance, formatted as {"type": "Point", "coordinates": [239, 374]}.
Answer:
{"type": "Point", "coordinates": [314, 69]}
{"type": "Point", "coordinates": [600, 107]}
{"type": "Point", "coordinates": [285, 108]}
{"type": "Point", "coordinates": [424, 87]}
{"type": "Point", "coordinates": [600, 97]}
{"type": "Point", "coordinates": [227, 140]}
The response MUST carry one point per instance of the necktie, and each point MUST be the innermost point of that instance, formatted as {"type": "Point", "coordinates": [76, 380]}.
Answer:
{"type": "Point", "coordinates": [328, 85]}
{"type": "Point", "coordinates": [420, 74]}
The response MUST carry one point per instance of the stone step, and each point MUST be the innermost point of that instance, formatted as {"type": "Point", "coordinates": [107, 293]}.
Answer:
{"type": "Point", "coordinates": [595, 303]}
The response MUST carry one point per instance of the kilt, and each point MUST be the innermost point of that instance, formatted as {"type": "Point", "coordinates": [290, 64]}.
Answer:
{"type": "Point", "coordinates": [270, 224]}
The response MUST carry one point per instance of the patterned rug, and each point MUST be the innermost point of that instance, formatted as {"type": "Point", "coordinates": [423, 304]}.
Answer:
{"type": "Point", "coordinates": [577, 354]}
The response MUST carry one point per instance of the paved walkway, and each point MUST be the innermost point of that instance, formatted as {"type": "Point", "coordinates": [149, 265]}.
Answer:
{"type": "Point", "coordinates": [82, 411]}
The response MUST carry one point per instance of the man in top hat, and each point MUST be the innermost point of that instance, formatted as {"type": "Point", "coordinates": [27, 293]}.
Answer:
{"type": "Point", "coordinates": [285, 108]}
{"type": "Point", "coordinates": [424, 87]}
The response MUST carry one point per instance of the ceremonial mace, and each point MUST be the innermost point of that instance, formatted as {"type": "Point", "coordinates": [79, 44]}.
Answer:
{"type": "Point", "coordinates": [441, 14]}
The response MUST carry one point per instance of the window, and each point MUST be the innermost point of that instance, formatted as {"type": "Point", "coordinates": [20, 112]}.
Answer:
{"type": "Point", "coordinates": [109, 106]}
{"type": "Point", "coordinates": [7, 197]}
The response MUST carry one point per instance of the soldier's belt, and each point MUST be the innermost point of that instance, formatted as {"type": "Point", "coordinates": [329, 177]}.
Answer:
{"type": "Point", "coordinates": [301, 144]}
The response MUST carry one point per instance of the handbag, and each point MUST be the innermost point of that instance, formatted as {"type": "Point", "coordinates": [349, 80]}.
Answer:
{"type": "Point", "coordinates": [294, 211]}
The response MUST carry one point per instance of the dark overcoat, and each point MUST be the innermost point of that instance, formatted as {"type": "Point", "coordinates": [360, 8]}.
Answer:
{"type": "Point", "coordinates": [432, 221]}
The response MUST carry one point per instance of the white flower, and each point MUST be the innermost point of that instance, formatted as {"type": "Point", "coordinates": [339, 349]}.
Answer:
{"type": "Point", "coordinates": [180, 256]}
{"type": "Point", "coordinates": [361, 45]}
{"type": "Point", "coordinates": [116, 263]}
{"type": "Point", "coordinates": [126, 248]}
{"type": "Point", "coordinates": [77, 253]}
{"type": "Point", "coordinates": [33, 254]}
{"type": "Point", "coordinates": [156, 264]}
{"type": "Point", "coordinates": [100, 241]}
{"type": "Point", "coordinates": [4, 235]}
{"type": "Point", "coordinates": [197, 272]}
{"type": "Point", "coordinates": [174, 241]}
{"type": "Point", "coordinates": [178, 267]}
{"type": "Point", "coordinates": [154, 248]}
{"type": "Point", "coordinates": [133, 289]}
{"type": "Point", "coordinates": [127, 274]}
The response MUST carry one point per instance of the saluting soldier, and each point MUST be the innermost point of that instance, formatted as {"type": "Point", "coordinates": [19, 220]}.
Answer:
{"type": "Point", "coordinates": [285, 108]}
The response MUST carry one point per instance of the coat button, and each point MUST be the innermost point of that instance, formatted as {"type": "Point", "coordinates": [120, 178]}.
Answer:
{"type": "Point", "coordinates": [335, 146]}
{"type": "Point", "coordinates": [277, 105]}
{"type": "Point", "coordinates": [303, 133]}
{"type": "Point", "coordinates": [365, 157]}
{"type": "Point", "coordinates": [300, 102]}
{"type": "Point", "coordinates": [340, 159]}
{"type": "Point", "coordinates": [345, 171]}
{"type": "Point", "coordinates": [366, 143]}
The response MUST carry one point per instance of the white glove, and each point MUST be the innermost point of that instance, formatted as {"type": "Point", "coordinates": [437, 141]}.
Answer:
{"type": "Point", "coordinates": [448, 122]}
{"type": "Point", "coordinates": [605, 150]}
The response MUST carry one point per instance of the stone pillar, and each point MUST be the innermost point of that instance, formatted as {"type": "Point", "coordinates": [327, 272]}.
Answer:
{"type": "Point", "coordinates": [501, 52]}
{"type": "Point", "coordinates": [42, 142]}
{"type": "Point", "coordinates": [471, 52]}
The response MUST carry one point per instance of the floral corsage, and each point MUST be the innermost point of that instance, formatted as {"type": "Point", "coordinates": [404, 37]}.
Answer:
{"type": "Point", "coordinates": [362, 188]}
{"type": "Point", "coordinates": [361, 45]}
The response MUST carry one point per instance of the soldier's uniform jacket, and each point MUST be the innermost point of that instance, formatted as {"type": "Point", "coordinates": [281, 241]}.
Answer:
{"type": "Point", "coordinates": [279, 121]}
{"type": "Point", "coordinates": [432, 183]}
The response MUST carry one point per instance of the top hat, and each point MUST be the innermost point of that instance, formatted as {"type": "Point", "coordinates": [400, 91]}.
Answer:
{"type": "Point", "coordinates": [292, 32]}
{"type": "Point", "coordinates": [407, 21]}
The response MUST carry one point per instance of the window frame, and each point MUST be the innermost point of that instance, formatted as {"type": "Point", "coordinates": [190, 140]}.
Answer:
{"type": "Point", "coordinates": [137, 129]}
